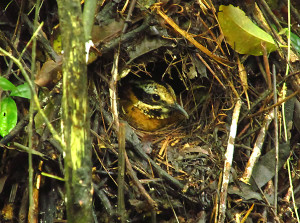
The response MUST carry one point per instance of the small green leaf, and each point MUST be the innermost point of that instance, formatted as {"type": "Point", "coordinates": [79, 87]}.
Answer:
{"type": "Point", "coordinates": [22, 90]}
{"type": "Point", "coordinates": [8, 115]}
{"type": "Point", "coordinates": [295, 42]}
{"type": "Point", "coordinates": [6, 85]}
{"type": "Point", "coordinates": [242, 34]}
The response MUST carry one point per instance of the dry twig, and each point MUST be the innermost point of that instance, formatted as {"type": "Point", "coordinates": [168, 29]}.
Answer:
{"type": "Point", "coordinates": [228, 161]}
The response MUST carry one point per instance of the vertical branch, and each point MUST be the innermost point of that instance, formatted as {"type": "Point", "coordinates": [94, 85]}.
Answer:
{"type": "Point", "coordinates": [88, 22]}
{"type": "Point", "coordinates": [276, 142]}
{"type": "Point", "coordinates": [75, 123]}
{"type": "Point", "coordinates": [88, 17]}
{"type": "Point", "coordinates": [113, 90]}
{"type": "Point", "coordinates": [291, 189]}
{"type": "Point", "coordinates": [30, 126]}
{"type": "Point", "coordinates": [121, 173]}
{"type": "Point", "coordinates": [267, 65]}
{"type": "Point", "coordinates": [228, 160]}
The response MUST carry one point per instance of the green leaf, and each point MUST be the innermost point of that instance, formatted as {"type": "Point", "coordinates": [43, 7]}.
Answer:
{"type": "Point", "coordinates": [295, 40]}
{"type": "Point", "coordinates": [241, 33]}
{"type": "Point", "coordinates": [8, 115]}
{"type": "Point", "coordinates": [22, 90]}
{"type": "Point", "coordinates": [6, 85]}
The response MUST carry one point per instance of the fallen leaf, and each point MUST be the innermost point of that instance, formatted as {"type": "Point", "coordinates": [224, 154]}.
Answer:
{"type": "Point", "coordinates": [50, 74]}
{"type": "Point", "coordinates": [241, 33]}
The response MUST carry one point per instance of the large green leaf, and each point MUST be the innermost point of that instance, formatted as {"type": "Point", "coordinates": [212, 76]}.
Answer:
{"type": "Point", "coordinates": [6, 85]}
{"type": "Point", "coordinates": [8, 115]}
{"type": "Point", "coordinates": [22, 90]}
{"type": "Point", "coordinates": [241, 33]}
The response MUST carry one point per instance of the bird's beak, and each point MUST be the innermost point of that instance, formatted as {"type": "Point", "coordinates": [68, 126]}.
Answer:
{"type": "Point", "coordinates": [180, 109]}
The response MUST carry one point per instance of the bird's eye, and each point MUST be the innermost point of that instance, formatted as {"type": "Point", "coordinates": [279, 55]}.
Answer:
{"type": "Point", "coordinates": [156, 97]}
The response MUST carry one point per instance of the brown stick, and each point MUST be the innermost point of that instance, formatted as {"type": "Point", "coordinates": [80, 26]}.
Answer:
{"type": "Point", "coordinates": [136, 181]}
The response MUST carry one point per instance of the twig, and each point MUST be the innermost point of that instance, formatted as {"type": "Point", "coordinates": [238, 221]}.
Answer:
{"type": "Point", "coordinates": [131, 7]}
{"type": "Point", "coordinates": [212, 72]}
{"type": "Point", "coordinates": [295, 13]}
{"type": "Point", "coordinates": [23, 148]}
{"type": "Point", "coordinates": [271, 14]}
{"type": "Point", "coordinates": [136, 181]}
{"type": "Point", "coordinates": [283, 109]}
{"type": "Point", "coordinates": [33, 37]}
{"type": "Point", "coordinates": [228, 161]}
{"type": "Point", "coordinates": [15, 52]}
{"type": "Point", "coordinates": [44, 42]}
{"type": "Point", "coordinates": [113, 90]}
{"type": "Point", "coordinates": [104, 199]}
{"type": "Point", "coordinates": [277, 104]}
{"type": "Point", "coordinates": [257, 147]}
{"type": "Point", "coordinates": [33, 203]}
{"type": "Point", "coordinates": [139, 150]}
{"type": "Point", "coordinates": [189, 37]}
{"type": "Point", "coordinates": [275, 140]}
{"type": "Point", "coordinates": [115, 72]}
{"type": "Point", "coordinates": [15, 39]}
{"type": "Point", "coordinates": [121, 173]}
{"type": "Point", "coordinates": [212, 35]}
{"type": "Point", "coordinates": [134, 143]}
{"type": "Point", "coordinates": [244, 81]}
{"type": "Point", "coordinates": [267, 65]}
{"type": "Point", "coordinates": [292, 190]}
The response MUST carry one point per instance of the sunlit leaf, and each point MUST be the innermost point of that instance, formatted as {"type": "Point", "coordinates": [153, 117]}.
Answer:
{"type": "Point", "coordinates": [6, 85]}
{"type": "Point", "coordinates": [22, 90]}
{"type": "Point", "coordinates": [242, 34]}
{"type": "Point", "coordinates": [8, 115]}
{"type": "Point", "coordinates": [57, 44]}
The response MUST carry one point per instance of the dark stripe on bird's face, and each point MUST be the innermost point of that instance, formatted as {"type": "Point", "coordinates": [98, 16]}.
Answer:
{"type": "Point", "coordinates": [146, 97]}
{"type": "Point", "coordinates": [156, 99]}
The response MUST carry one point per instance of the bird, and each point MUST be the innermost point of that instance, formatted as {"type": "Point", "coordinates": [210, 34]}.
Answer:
{"type": "Point", "coordinates": [149, 105]}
